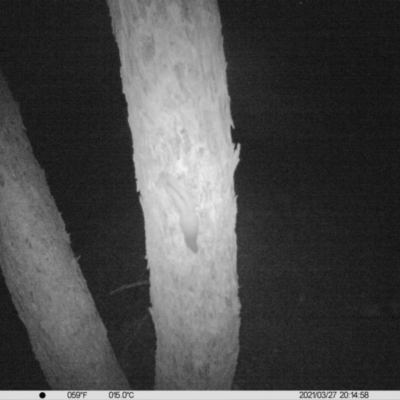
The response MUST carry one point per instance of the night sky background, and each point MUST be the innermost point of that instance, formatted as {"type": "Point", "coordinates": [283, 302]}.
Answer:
{"type": "Point", "coordinates": [315, 96]}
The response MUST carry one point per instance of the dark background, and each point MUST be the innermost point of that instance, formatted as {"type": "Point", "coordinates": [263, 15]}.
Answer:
{"type": "Point", "coordinates": [315, 102]}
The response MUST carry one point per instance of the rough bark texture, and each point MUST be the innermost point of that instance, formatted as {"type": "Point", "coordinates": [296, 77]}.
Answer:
{"type": "Point", "coordinates": [48, 290]}
{"type": "Point", "coordinates": [174, 79]}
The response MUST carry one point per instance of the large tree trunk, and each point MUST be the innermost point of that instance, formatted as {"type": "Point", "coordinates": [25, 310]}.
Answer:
{"type": "Point", "coordinates": [174, 78]}
{"type": "Point", "coordinates": [48, 290]}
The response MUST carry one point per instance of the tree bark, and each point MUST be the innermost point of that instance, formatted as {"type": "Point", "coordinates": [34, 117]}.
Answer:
{"type": "Point", "coordinates": [46, 285]}
{"type": "Point", "coordinates": [174, 79]}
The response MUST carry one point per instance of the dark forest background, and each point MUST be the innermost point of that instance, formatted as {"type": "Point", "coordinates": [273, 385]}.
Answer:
{"type": "Point", "coordinates": [314, 92]}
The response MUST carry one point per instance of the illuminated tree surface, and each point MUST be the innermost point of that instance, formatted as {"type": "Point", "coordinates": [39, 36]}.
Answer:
{"type": "Point", "coordinates": [174, 79]}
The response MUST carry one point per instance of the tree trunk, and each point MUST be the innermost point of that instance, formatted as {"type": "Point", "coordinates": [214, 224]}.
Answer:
{"type": "Point", "coordinates": [174, 79]}
{"type": "Point", "coordinates": [48, 290]}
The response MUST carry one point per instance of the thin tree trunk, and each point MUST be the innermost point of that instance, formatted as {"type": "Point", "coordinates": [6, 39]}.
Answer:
{"type": "Point", "coordinates": [174, 79]}
{"type": "Point", "coordinates": [48, 290]}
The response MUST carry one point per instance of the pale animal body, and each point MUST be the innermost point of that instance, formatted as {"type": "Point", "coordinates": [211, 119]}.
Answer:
{"type": "Point", "coordinates": [184, 203]}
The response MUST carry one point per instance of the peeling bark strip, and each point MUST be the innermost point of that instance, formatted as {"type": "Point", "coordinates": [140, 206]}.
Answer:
{"type": "Point", "coordinates": [46, 285]}
{"type": "Point", "coordinates": [173, 72]}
